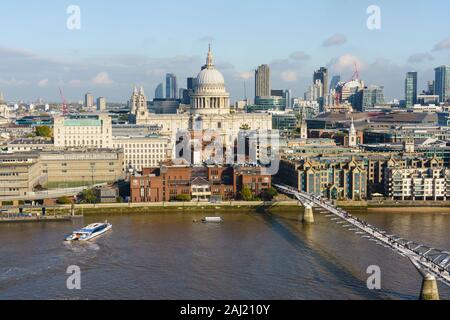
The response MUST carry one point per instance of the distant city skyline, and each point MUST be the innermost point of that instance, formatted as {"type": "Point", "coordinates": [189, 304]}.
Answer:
{"type": "Point", "coordinates": [121, 48]}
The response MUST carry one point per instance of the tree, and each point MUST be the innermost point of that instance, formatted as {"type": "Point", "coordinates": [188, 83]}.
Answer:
{"type": "Point", "coordinates": [246, 194]}
{"type": "Point", "coordinates": [183, 197]}
{"type": "Point", "coordinates": [269, 194]}
{"type": "Point", "coordinates": [63, 200]}
{"type": "Point", "coordinates": [245, 127]}
{"type": "Point", "coordinates": [88, 196]}
{"type": "Point", "coordinates": [44, 131]}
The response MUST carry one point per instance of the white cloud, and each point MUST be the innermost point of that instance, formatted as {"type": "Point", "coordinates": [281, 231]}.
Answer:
{"type": "Point", "coordinates": [75, 83]}
{"type": "Point", "coordinates": [443, 45]}
{"type": "Point", "coordinates": [335, 40]}
{"type": "Point", "coordinates": [299, 55]}
{"type": "Point", "coordinates": [347, 62]}
{"type": "Point", "coordinates": [43, 83]}
{"type": "Point", "coordinates": [246, 75]}
{"type": "Point", "coordinates": [13, 82]}
{"type": "Point", "coordinates": [207, 39]}
{"type": "Point", "coordinates": [288, 76]}
{"type": "Point", "coordinates": [420, 57]}
{"type": "Point", "coordinates": [156, 72]}
{"type": "Point", "coordinates": [102, 79]}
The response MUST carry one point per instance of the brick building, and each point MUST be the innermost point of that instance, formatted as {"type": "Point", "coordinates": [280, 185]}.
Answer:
{"type": "Point", "coordinates": [167, 182]}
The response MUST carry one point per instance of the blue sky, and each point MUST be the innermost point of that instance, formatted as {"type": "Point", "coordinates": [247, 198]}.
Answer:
{"type": "Point", "coordinates": [123, 43]}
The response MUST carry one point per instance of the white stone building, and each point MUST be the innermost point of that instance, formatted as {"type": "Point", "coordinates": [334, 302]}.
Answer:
{"type": "Point", "coordinates": [4, 110]}
{"type": "Point", "coordinates": [143, 151]}
{"type": "Point", "coordinates": [83, 130]}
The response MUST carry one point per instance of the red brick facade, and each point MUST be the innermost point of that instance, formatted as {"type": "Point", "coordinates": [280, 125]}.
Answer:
{"type": "Point", "coordinates": [165, 183]}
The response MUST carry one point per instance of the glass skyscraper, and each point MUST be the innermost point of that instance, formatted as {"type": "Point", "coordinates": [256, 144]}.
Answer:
{"type": "Point", "coordinates": [322, 75]}
{"type": "Point", "coordinates": [159, 92]}
{"type": "Point", "coordinates": [334, 81]}
{"type": "Point", "coordinates": [411, 89]}
{"type": "Point", "coordinates": [372, 96]}
{"type": "Point", "coordinates": [171, 86]}
{"type": "Point", "coordinates": [442, 83]}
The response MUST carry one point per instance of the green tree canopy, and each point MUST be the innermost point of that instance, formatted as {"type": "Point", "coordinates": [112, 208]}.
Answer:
{"type": "Point", "coordinates": [183, 197]}
{"type": "Point", "coordinates": [63, 200]}
{"type": "Point", "coordinates": [44, 131]}
{"type": "Point", "coordinates": [88, 196]}
{"type": "Point", "coordinates": [269, 194]}
{"type": "Point", "coordinates": [245, 127]}
{"type": "Point", "coordinates": [246, 194]}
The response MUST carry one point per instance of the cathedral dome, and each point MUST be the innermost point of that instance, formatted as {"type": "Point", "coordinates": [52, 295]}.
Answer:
{"type": "Point", "coordinates": [210, 95]}
{"type": "Point", "coordinates": [210, 77]}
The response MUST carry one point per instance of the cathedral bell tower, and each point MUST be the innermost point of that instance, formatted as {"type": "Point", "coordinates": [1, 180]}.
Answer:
{"type": "Point", "coordinates": [138, 104]}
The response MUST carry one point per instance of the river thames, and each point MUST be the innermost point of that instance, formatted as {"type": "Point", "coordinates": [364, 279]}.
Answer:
{"type": "Point", "coordinates": [249, 256]}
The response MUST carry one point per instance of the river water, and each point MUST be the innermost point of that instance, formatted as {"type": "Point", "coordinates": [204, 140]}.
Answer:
{"type": "Point", "coordinates": [250, 256]}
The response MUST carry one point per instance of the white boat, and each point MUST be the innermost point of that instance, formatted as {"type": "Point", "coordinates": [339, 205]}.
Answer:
{"type": "Point", "coordinates": [212, 219]}
{"type": "Point", "coordinates": [89, 232]}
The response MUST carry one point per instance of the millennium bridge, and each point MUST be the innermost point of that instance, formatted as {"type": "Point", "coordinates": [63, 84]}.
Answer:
{"type": "Point", "coordinates": [433, 264]}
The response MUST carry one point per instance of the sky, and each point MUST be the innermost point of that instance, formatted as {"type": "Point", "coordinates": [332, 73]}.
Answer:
{"type": "Point", "coordinates": [136, 42]}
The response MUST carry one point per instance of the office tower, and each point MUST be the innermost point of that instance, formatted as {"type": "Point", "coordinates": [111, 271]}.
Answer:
{"type": "Point", "coordinates": [159, 91]}
{"type": "Point", "coordinates": [370, 97]}
{"type": "Point", "coordinates": [430, 87]}
{"type": "Point", "coordinates": [313, 93]}
{"type": "Point", "coordinates": [185, 96]}
{"type": "Point", "coordinates": [411, 89]}
{"type": "Point", "coordinates": [334, 82]}
{"type": "Point", "coordinates": [171, 86]}
{"type": "Point", "coordinates": [288, 97]}
{"type": "Point", "coordinates": [101, 104]}
{"type": "Point", "coordinates": [322, 75]}
{"type": "Point", "coordinates": [442, 83]}
{"type": "Point", "coordinates": [276, 93]}
{"type": "Point", "coordinates": [262, 81]}
{"type": "Point", "coordinates": [88, 100]}
{"type": "Point", "coordinates": [191, 83]}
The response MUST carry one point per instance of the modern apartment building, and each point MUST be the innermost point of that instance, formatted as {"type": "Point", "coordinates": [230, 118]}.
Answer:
{"type": "Point", "coordinates": [83, 130]}
{"type": "Point", "coordinates": [378, 166]}
{"type": "Point", "coordinates": [418, 183]}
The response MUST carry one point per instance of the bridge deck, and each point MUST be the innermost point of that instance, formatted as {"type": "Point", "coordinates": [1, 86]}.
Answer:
{"type": "Point", "coordinates": [425, 259]}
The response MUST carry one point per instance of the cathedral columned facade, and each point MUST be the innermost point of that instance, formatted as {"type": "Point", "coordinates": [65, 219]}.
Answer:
{"type": "Point", "coordinates": [209, 109]}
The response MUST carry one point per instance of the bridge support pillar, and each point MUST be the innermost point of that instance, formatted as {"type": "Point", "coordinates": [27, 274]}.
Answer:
{"type": "Point", "coordinates": [308, 215]}
{"type": "Point", "coordinates": [429, 290]}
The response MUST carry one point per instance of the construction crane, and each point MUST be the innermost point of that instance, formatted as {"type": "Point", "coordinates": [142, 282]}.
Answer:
{"type": "Point", "coordinates": [65, 110]}
{"type": "Point", "coordinates": [355, 76]}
